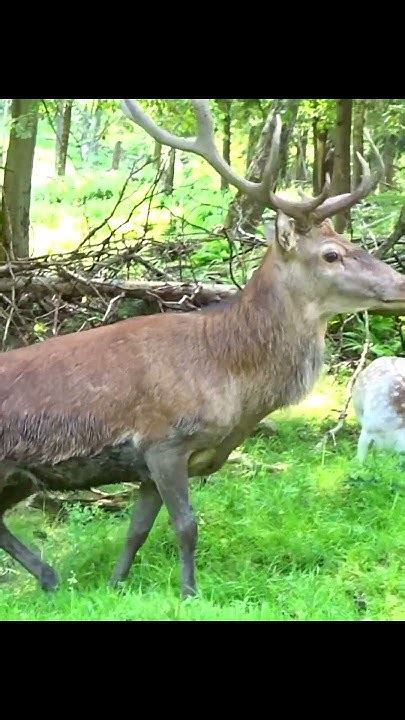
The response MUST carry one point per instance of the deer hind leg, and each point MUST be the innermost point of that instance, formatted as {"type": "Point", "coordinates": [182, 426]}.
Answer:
{"type": "Point", "coordinates": [144, 515]}
{"type": "Point", "coordinates": [10, 496]}
{"type": "Point", "coordinates": [168, 469]}
{"type": "Point", "coordinates": [363, 445]}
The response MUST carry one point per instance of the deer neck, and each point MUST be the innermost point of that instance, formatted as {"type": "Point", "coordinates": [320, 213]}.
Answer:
{"type": "Point", "coordinates": [270, 342]}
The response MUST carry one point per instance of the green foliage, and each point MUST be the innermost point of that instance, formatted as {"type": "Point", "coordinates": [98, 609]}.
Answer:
{"type": "Point", "coordinates": [324, 111]}
{"type": "Point", "coordinates": [386, 116]}
{"type": "Point", "coordinates": [197, 199]}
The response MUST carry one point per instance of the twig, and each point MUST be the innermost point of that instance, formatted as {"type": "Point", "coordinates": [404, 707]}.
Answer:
{"type": "Point", "coordinates": [94, 230]}
{"type": "Point", "coordinates": [231, 259]}
{"type": "Point", "coordinates": [8, 321]}
{"type": "Point", "coordinates": [55, 317]}
{"type": "Point", "coordinates": [110, 306]}
{"type": "Point", "coordinates": [343, 413]}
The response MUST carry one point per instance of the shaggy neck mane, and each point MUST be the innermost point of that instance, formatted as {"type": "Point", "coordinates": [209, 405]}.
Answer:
{"type": "Point", "coordinates": [263, 336]}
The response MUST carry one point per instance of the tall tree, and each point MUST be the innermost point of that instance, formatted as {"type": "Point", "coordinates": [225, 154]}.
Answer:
{"type": "Point", "coordinates": [168, 182]}
{"type": "Point", "coordinates": [253, 139]}
{"type": "Point", "coordinates": [157, 154]}
{"type": "Point", "coordinates": [62, 135]}
{"type": "Point", "coordinates": [16, 197]}
{"type": "Point", "coordinates": [341, 165]}
{"type": "Point", "coordinates": [289, 120]}
{"type": "Point", "coordinates": [389, 154]}
{"type": "Point", "coordinates": [320, 136]}
{"type": "Point", "coordinates": [301, 172]}
{"type": "Point", "coordinates": [225, 106]}
{"type": "Point", "coordinates": [117, 155]}
{"type": "Point", "coordinates": [58, 129]}
{"type": "Point", "coordinates": [98, 112]}
{"type": "Point", "coordinates": [359, 115]}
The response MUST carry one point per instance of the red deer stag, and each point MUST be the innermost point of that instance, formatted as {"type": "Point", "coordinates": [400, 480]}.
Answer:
{"type": "Point", "coordinates": [168, 397]}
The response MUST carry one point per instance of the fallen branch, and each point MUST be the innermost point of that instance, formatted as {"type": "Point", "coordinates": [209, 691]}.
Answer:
{"type": "Point", "coordinates": [82, 285]}
{"type": "Point", "coordinates": [56, 504]}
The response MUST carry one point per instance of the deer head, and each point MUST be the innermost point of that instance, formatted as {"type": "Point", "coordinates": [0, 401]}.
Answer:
{"type": "Point", "coordinates": [324, 271]}
{"type": "Point", "coordinates": [328, 274]}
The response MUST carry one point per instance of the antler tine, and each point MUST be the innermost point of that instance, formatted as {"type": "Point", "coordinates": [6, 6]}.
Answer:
{"type": "Point", "coordinates": [368, 182]}
{"type": "Point", "coordinates": [301, 210]}
{"type": "Point", "coordinates": [298, 210]}
{"type": "Point", "coordinates": [203, 144]}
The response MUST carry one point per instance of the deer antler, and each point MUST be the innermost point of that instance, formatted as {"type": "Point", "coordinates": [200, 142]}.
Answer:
{"type": "Point", "coordinates": [305, 212]}
{"type": "Point", "coordinates": [204, 145]}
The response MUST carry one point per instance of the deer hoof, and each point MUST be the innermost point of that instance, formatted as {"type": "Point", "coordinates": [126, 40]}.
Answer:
{"type": "Point", "coordinates": [49, 579]}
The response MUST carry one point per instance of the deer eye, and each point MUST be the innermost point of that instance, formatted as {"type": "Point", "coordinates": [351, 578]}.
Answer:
{"type": "Point", "coordinates": [331, 257]}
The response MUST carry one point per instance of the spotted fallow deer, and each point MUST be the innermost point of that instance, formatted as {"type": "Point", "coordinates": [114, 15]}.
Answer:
{"type": "Point", "coordinates": [168, 397]}
{"type": "Point", "coordinates": [379, 404]}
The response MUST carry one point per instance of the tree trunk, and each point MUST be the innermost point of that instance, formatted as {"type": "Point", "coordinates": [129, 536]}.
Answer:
{"type": "Point", "coordinates": [59, 129]}
{"type": "Point", "coordinates": [341, 165]}
{"type": "Point", "coordinates": [3, 132]}
{"type": "Point", "coordinates": [253, 139]}
{"type": "Point", "coordinates": [225, 106]}
{"type": "Point", "coordinates": [320, 136]}
{"type": "Point", "coordinates": [85, 142]}
{"type": "Point", "coordinates": [157, 155]}
{"type": "Point", "coordinates": [359, 114]}
{"type": "Point", "coordinates": [389, 153]}
{"type": "Point", "coordinates": [301, 172]}
{"type": "Point", "coordinates": [16, 199]}
{"type": "Point", "coordinates": [242, 209]}
{"type": "Point", "coordinates": [288, 127]}
{"type": "Point", "coordinates": [62, 145]}
{"type": "Point", "coordinates": [116, 155]}
{"type": "Point", "coordinates": [169, 174]}
{"type": "Point", "coordinates": [96, 129]}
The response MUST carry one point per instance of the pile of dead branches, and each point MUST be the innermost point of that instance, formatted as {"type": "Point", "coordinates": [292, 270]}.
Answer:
{"type": "Point", "coordinates": [107, 277]}
{"type": "Point", "coordinates": [70, 293]}
{"type": "Point", "coordinates": [52, 295]}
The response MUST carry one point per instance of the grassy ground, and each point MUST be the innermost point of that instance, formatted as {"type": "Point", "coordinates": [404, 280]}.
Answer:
{"type": "Point", "coordinates": [313, 538]}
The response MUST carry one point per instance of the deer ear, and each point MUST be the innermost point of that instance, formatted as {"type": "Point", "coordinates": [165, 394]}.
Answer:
{"type": "Point", "coordinates": [285, 232]}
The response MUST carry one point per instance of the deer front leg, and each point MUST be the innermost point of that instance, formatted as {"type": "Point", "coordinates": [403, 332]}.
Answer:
{"type": "Point", "coordinates": [168, 469]}
{"type": "Point", "coordinates": [145, 512]}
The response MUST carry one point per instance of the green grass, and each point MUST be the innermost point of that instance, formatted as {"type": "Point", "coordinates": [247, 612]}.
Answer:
{"type": "Point", "coordinates": [316, 538]}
